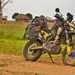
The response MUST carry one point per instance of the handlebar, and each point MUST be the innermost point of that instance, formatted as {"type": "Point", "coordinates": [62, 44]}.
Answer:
{"type": "Point", "coordinates": [71, 25]}
{"type": "Point", "coordinates": [59, 17]}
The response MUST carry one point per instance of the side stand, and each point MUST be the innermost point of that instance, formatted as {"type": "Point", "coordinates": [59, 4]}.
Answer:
{"type": "Point", "coordinates": [51, 57]}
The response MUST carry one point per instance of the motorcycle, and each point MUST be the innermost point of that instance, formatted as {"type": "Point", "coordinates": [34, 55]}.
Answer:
{"type": "Point", "coordinates": [34, 49]}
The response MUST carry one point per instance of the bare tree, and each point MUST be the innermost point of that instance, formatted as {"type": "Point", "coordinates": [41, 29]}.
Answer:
{"type": "Point", "coordinates": [3, 3]}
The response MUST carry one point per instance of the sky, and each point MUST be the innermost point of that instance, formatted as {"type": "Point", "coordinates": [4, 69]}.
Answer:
{"type": "Point", "coordinates": [39, 7]}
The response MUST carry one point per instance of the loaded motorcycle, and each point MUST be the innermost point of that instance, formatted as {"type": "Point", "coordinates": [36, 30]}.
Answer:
{"type": "Point", "coordinates": [34, 49]}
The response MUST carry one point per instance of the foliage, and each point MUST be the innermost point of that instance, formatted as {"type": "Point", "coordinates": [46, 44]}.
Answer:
{"type": "Point", "coordinates": [14, 15]}
{"type": "Point", "coordinates": [29, 15]}
{"type": "Point", "coordinates": [20, 15]}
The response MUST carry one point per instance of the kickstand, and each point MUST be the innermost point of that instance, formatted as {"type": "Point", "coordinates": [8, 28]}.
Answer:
{"type": "Point", "coordinates": [51, 58]}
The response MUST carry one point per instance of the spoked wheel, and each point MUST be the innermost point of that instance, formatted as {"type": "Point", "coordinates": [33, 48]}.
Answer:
{"type": "Point", "coordinates": [32, 51]}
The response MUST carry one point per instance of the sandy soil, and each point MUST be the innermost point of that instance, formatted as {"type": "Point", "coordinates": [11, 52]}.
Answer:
{"type": "Point", "coordinates": [16, 65]}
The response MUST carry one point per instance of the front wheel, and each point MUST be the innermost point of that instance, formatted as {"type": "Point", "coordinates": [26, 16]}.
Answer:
{"type": "Point", "coordinates": [31, 51]}
{"type": "Point", "coordinates": [64, 55]}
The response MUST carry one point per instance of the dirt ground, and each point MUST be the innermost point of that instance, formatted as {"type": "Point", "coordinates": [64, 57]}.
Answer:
{"type": "Point", "coordinates": [16, 65]}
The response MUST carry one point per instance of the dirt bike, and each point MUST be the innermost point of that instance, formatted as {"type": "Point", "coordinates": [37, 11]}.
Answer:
{"type": "Point", "coordinates": [34, 49]}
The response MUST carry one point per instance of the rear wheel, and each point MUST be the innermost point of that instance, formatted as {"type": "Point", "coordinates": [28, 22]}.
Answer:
{"type": "Point", "coordinates": [31, 51]}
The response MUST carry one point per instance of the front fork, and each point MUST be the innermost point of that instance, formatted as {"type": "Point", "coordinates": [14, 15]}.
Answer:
{"type": "Point", "coordinates": [69, 46]}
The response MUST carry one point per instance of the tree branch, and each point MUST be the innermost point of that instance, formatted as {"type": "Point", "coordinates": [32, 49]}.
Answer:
{"type": "Point", "coordinates": [5, 3]}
